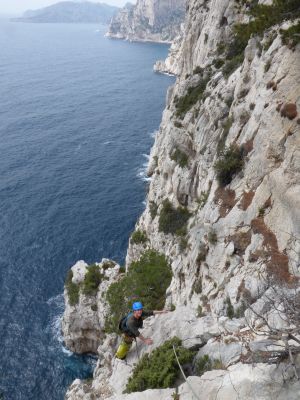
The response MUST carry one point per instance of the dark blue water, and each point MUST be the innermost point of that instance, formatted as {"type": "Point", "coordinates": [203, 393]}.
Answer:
{"type": "Point", "coordinates": [76, 116]}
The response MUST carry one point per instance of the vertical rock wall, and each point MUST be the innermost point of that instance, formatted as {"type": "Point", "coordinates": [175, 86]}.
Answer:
{"type": "Point", "coordinates": [236, 264]}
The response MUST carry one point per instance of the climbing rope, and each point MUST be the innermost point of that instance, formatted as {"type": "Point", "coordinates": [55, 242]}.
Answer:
{"type": "Point", "coordinates": [183, 374]}
{"type": "Point", "coordinates": [136, 348]}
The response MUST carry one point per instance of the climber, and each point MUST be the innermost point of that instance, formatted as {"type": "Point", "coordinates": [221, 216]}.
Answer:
{"type": "Point", "coordinates": [130, 325]}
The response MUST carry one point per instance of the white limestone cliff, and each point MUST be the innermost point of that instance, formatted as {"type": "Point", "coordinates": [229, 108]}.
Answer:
{"type": "Point", "coordinates": [148, 20]}
{"type": "Point", "coordinates": [83, 323]}
{"type": "Point", "coordinates": [236, 270]}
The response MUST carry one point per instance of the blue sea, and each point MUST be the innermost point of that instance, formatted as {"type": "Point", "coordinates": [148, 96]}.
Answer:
{"type": "Point", "coordinates": [77, 118]}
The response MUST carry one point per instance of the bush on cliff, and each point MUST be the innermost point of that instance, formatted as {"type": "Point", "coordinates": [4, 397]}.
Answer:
{"type": "Point", "coordinates": [147, 280]}
{"type": "Point", "coordinates": [72, 289]}
{"type": "Point", "coordinates": [138, 237]}
{"type": "Point", "coordinates": [92, 280]}
{"type": "Point", "coordinates": [263, 18]}
{"type": "Point", "coordinates": [291, 36]}
{"type": "Point", "coordinates": [180, 157]}
{"type": "Point", "coordinates": [229, 163]}
{"type": "Point", "coordinates": [159, 369]}
{"type": "Point", "coordinates": [204, 364]}
{"type": "Point", "coordinates": [194, 94]}
{"type": "Point", "coordinates": [173, 220]}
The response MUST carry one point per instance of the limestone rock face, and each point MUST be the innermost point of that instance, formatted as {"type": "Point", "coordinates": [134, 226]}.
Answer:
{"type": "Point", "coordinates": [148, 20]}
{"type": "Point", "coordinates": [236, 269]}
{"type": "Point", "coordinates": [261, 382]}
{"type": "Point", "coordinates": [172, 64]}
{"type": "Point", "coordinates": [83, 323]}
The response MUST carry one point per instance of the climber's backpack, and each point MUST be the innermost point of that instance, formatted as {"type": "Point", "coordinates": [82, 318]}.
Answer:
{"type": "Point", "coordinates": [123, 323]}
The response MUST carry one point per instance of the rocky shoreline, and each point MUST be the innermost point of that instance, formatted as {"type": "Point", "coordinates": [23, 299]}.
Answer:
{"type": "Point", "coordinates": [148, 21]}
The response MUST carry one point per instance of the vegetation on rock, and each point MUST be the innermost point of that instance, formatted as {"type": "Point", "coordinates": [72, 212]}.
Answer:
{"type": "Point", "coordinates": [229, 308]}
{"type": "Point", "coordinates": [204, 364]}
{"type": "Point", "coordinates": [229, 163]}
{"type": "Point", "coordinates": [160, 368]}
{"type": "Point", "coordinates": [72, 289]}
{"type": "Point", "coordinates": [263, 17]}
{"type": "Point", "coordinates": [92, 280]}
{"type": "Point", "coordinates": [173, 220]}
{"type": "Point", "coordinates": [291, 36]}
{"type": "Point", "coordinates": [194, 94]}
{"type": "Point", "coordinates": [227, 124]}
{"type": "Point", "coordinates": [212, 237]}
{"type": "Point", "coordinates": [153, 209]}
{"type": "Point", "coordinates": [147, 280]}
{"type": "Point", "coordinates": [180, 157]}
{"type": "Point", "coordinates": [138, 237]}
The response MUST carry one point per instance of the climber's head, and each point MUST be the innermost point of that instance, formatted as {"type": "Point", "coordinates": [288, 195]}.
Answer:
{"type": "Point", "coordinates": [137, 308]}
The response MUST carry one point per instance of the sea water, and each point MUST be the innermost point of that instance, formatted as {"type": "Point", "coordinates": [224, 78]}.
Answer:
{"type": "Point", "coordinates": [77, 116]}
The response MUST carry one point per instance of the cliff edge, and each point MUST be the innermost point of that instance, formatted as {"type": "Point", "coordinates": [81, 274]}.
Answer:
{"type": "Point", "coordinates": [221, 227]}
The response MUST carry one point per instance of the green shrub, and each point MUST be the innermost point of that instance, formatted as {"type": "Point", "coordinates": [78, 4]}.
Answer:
{"type": "Point", "coordinates": [153, 209]}
{"type": "Point", "coordinates": [229, 308]}
{"type": "Point", "coordinates": [240, 311]}
{"type": "Point", "coordinates": [218, 62]}
{"type": "Point", "coordinates": [197, 286]}
{"type": "Point", "coordinates": [159, 370]}
{"type": "Point", "coordinates": [108, 264]}
{"type": "Point", "coordinates": [291, 36]}
{"type": "Point", "coordinates": [198, 70]}
{"type": "Point", "coordinates": [204, 364]}
{"type": "Point", "coordinates": [92, 280]}
{"type": "Point", "coordinates": [173, 220]}
{"type": "Point", "coordinates": [226, 128]}
{"type": "Point", "coordinates": [183, 243]}
{"type": "Point", "coordinates": [221, 47]}
{"type": "Point", "coordinates": [230, 162]}
{"type": "Point", "coordinates": [200, 312]}
{"type": "Point", "coordinates": [138, 237]}
{"type": "Point", "coordinates": [203, 250]}
{"type": "Point", "coordinates": [232, 64]}
{"type": "Point", "coordinates": [147, 280]}
{"type": "Point", "coordinates": [229, 101]}
{"type": "Point", "coordinates": [263, 17]}
{"type": "Point", "coordinates": [122, 270]}
{"type": "Point", "coordinates": [178, 124]}
{"type": "Point", "coordinates": [203, 199]}
{"type": "Point", "coordinates": [72, 289]}
{"type": "Point", "coordinates": [193, 95]}
{"type": "Point", "coordinates": [212, 237]}
{"type": "Point", "coordinates": [180, 158]}
{"type": "Point", "coordinates": [175, 396]}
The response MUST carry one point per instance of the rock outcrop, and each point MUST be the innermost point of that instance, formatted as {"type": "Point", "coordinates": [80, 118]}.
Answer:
{"type": "Point", "coordinates": [223, 206]}
{"type": "Point", "coordinates": [83, 322]}
{"type": "Point", "coordinates": [172, 64]}
{"type": "Point", "coordinates": [148, 20]}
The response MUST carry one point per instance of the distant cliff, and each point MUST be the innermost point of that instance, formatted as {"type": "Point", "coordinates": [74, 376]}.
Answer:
{"type": "Point", "coordinates": [71, 12]}
{"type": "Point", "coordinates": [149, 20]}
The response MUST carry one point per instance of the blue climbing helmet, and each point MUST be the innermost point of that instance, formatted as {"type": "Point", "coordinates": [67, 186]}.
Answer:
{"type": "Point", "coordinates": [137, 306]}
